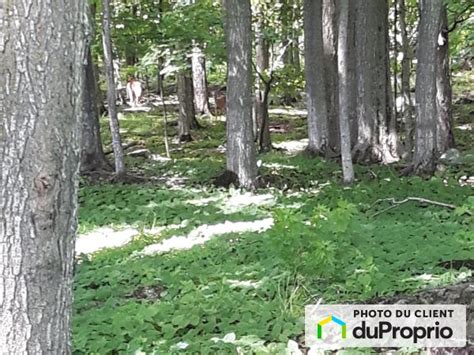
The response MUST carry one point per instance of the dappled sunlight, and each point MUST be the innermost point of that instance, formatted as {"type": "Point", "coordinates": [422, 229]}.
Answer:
{"type": "Point", "coordinates": [288, 111]}
{"type": "Point", "coordinates": [204, 233]}
{"type": "Point", "coordinates": [292, 147]}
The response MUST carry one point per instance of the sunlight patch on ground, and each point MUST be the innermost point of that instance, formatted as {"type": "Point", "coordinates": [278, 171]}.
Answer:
{"type": "Point", "coordinates": [106, 237]}
{"type": "Point", "coordinates": [102, 238]}
{"type": "Point", "coordinates": [292, 147]}
{"type": "Point", "coordinates": [288, 111]}
{"type": "Point", "coordinates": [236, 202]}
{"type": "Point", "coordinates": [204, 233]}
{"type": "Point", "coordinates": [277, 166]}
{"type": "Point", "coordinates": [245, 283]}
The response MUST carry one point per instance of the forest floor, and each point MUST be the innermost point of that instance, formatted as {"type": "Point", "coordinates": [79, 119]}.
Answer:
{"type": "Point", "coordinates": [200, 269]}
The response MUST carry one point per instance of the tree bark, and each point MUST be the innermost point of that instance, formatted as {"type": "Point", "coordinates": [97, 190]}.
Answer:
{"type": "Point", "coordinates": [407, 104]}
{"type": "Point", "coordinates": [109, 71]}
{"type": "Point", "coordinates": [241, 159]}
{"type": "Point", "coordinates": [375, 139]}
{"type": "Point", "coordinates": [92, 155]}
{"type": "Point", "coordinates": [42, 52]}
{"type": "Point", "coordinates": [316, 98]}
{"type": "Point", "coordinates": [262, 88]}
{"type": "Point", "coordinates": [186, 105]}
{"type": "Point", "coordinates": [425, 149]}
{"type": "Point", "coordinates": [201, 98]}
{"type": "Point", "coordinates": [330, 25]}
{"type": "Point", "coordinates": [344, 94]}
{"type": "Point", "coordinates": [444, 133]}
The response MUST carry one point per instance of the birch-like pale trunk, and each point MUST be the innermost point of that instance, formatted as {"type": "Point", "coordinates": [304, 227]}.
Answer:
{"type": "Point", "coordinates": [201, 99]}
{"type": "Point", "coordinates": [344, 94]}
{"type": "Point", "coordinates": [112, 107]}
{"type": "Point", "coordinates": [42, 57]}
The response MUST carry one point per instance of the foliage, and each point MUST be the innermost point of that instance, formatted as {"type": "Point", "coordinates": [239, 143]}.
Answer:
{"type": "Point", "coordinates": [249, 290]}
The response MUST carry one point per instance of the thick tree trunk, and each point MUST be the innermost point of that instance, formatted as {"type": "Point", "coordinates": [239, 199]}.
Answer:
{"type": "Point", "coordinates": [92, 155]}
{"type": "Point", "coordinates": [186, 105]}
{"type": "Point", "coordinates": [241, 159]}
{"type": "Point", "coordinates": [42, 52]}
{"type": "Point", "coordinates": [375, 139]}
{"type": "Point", "coordinates": [444, 133]}
{"type": "Point", "coordinates": [344, 94]}
{"type": "Point", "coordinates": [330, 24]}
{"type": "Point", "coordinates": [201, 99]}
{"type": "Point", "coordinates": [316, 98]}
{"type": "Point", "coordinates": [109, 71]}
{"type": "Point", "coordinates": [426, 120]}
{"type": "Point", "coordinates": [262, 89]}
{"type": "Point", "coordinates": [407, 104]}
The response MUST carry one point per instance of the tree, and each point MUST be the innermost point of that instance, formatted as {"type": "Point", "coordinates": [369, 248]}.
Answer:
{"type": "Point", "coordinates": [330, 33]}
{"type": "Point", "coordinates": [375, 141]}
{"type": "Point", "coordinates": [187, 115]}
{"type": "Point", "coordinates": [109, 72]}
{"type": "Point", "coordinates": [444, 133]}
{"type": "Point", "coordinates": [407, 104]}
{"type": "Point", "coordinates": [92, 155]}
{"type": "Point", "coordinates": [344, 94]}
{"type": "Point", "coordinates": [262, 82]}
{"type": "Point", "coordinates": [201, 99]}
{"type": "Point", "coordinates": [42, 51]}
{"type": "Point", "coordinates": [425, 91]}
{"type": "Point", "coordinates": [315, 78]}
{"type": "Point", "coordinates": [241, 159]}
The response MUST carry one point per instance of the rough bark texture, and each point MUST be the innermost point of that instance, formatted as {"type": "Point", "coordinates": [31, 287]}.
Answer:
{"type": "Point", "coordinates": [316, 98]}
{"type": "Point", "coordinates": [407, 104]}
{"type": "Point", "coordinates": [109, 71]}
{"type": "Point", "coordinates": [92, 154]}
{"type": "Point", "coordinates": [186, 105]}
{"type": "Point", "coordinates": [426, 120]}
{"type": "Point", "coordinates": [201, 99]}
{"type": "Point", "coordinates": [344, 94]}
{"type": "Point", "coordinates": [240, 141]}
{"type": "Point", "coordinates": [375, 139]}
{"type": "Point", "coordinates": [444, 133]}
{"type": "Point", "coordinates": [42, 52]}
{"type": "Point", "coordinates": [330, 24]}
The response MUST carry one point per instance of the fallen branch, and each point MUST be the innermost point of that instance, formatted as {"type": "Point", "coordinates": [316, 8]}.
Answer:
{"type": "Point", "coordinates": [396, 203]}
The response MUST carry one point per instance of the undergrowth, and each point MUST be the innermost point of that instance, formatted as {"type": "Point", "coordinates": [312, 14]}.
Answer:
{"type": "Point", "coordinates": [249, 290]}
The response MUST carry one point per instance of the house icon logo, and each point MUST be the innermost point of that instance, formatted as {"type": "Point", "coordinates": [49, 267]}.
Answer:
{"type": "Point", "coordinates": [336, 320]}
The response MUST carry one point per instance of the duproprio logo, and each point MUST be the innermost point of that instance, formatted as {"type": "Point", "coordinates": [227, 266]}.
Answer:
{"type": "Point", "coordinates": [336, 320]}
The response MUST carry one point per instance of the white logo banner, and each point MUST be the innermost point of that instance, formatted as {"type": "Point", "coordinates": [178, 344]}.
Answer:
{"type": "Point", "coordinates": [416, 326]}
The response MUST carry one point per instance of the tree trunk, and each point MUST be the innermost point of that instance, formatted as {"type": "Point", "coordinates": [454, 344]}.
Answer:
{"type": "Point", "coordinates": [262, 88]}
{"type": "Point", "coordinates": [241, 159]}
{"type": "Point", "coordinates": [186, 105]}
{"type": "Point", "coordinates": [315, 79]}
{"type": "Point", "coordinates": [330, 24]}
{"type": "Point", "coordinates": [92, 155]}
{"type": "Point", "coordinates": [444, 133]}
{"type": "Point", "coordinates": [42, 51]}
{"type": "Point", "coordinates": [344, 94]}
{"type": "Point", "coordinates": [407, 104]}
{"type": "Point", "coordinates": [109, 72]}
{"type": "Point", "coordinates": [375, 141]}
{"type": "Point", "coordinates": [201, 99]}
{"type": "Point", "coordinates": [425, 149]}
